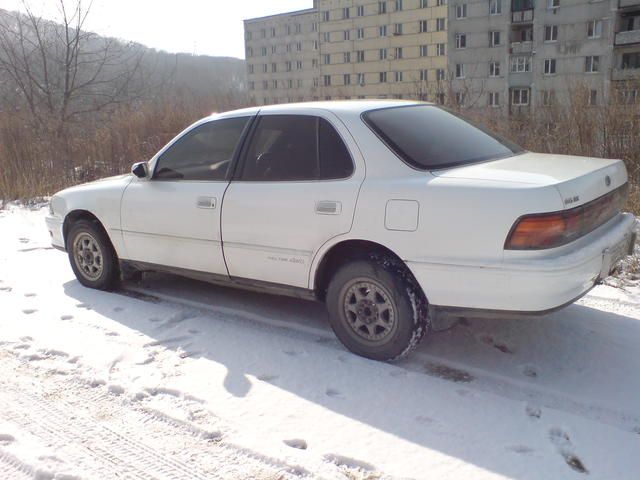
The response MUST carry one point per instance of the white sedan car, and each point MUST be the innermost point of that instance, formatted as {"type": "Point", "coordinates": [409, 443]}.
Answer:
{"type": "Point", "coordinates": [391, 212]}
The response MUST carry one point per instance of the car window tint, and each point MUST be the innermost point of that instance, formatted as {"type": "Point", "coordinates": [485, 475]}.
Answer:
{"type": "Point", "coordinates": [283, 148]}
{"type": "Point", "coordinates": [429, 137]}
{"type": "Point", "coordinates": [296, 148]}
{"type": "Point", "coordinates": [335, 161]}
{"type": "Point", "coordinates": [203, 153]}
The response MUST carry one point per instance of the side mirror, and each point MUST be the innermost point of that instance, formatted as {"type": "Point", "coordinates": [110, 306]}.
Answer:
{"type": "Point", "coordinates": [140, 169]}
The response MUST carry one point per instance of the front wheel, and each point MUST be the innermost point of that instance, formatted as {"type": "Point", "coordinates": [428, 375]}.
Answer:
{"type": "Point", "coordinates": [376, 309]}
{"type": "Point", "coordinates": [91, 255]}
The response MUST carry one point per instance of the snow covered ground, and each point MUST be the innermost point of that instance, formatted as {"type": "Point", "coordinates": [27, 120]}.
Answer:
{"type": "Point", "coordinates": [175, 379]}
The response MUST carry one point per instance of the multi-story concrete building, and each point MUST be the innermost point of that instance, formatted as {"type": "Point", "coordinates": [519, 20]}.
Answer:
{"type": "Point", "coordinates": [626, 51]}
{"type": "Point", "coordinates": [522, 54]}
{"type": "Point", "coordinates": [348, 49]}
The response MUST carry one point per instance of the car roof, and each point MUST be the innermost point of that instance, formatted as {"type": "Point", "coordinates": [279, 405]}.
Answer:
{"type": "Point", "coordinates": [336, 106]}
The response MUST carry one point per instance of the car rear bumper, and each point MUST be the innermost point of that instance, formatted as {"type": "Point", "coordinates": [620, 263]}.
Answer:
{"type": "Point", "coordinates": [529, 285]}
{"type": "Point", "coordinates": [54, 226]}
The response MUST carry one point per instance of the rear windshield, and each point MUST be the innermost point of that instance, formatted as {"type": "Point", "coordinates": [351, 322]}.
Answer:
{"type": "Point", "coordinates": [430, 138]}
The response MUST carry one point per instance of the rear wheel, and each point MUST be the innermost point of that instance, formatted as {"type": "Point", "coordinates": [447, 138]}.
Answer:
{"type": "Point", "coordinates": [376, 309]}
{"type": "Point", "coordinates": [91, 255]}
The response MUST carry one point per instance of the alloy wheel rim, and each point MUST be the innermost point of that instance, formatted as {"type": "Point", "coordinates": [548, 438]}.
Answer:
{"type": "Point", "coordinates": [88, 256]}
{"type": "Point", "coordinates": [369, 311]}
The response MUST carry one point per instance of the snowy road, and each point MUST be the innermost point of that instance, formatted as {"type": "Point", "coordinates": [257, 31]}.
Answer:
{"type": "Point", "coordinates": [176, 379]}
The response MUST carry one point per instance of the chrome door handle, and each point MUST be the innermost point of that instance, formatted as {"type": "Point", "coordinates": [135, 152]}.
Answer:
{"type": "Point", "coordinates": [206, 202]}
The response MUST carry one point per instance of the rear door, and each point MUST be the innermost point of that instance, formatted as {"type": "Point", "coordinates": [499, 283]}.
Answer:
{"type": "Point", "coordinates": [296, 188]}
{"type": "Point", "coordinates": [173, 219]}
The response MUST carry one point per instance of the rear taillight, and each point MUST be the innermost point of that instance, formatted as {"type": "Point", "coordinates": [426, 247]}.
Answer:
{"type": "Point", "coordinates": [549, 230]}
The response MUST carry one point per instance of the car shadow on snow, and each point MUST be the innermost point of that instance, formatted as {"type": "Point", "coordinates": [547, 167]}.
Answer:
{"type": "Point", "coordinates": [455, 394]}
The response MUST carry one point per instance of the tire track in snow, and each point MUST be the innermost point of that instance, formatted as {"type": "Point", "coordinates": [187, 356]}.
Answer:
{"type": "Point", "coordinates": [423, 362]}
{"type": "Point", "coordinates": [60, 418]}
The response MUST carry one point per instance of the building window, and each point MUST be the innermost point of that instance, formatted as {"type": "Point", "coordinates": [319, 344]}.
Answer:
{"type": "Point", "coordinates": [424, 76]}
{"type": "Point", "coordinates": [274, 49]}
{"type": "Point", "coordinates": [398, 54]}
{"type": "Point", "coordinates": [360, 10]}
{"type": "Point", "coordinates": [494, 69]}
{"type": "Point", "coordinates": [460, 98]}
{"type": "Point", "coordinates": [461, 40]}
{"type": "Point", "coordinates": [314, 27]}
{"type": "Point", "coordinates": [346, 35]}
{"type": "Point", "coordinates": [383, 54]}
{"type": "Point", "coordinates": [327, 80]}
{"type": "Point", "coordinates": [520, 64]}
{"type": "Point", "coordinates": [383, 77]}
{"type": "Point", "coordinates": [361, 79]}
{"type": "Point", "coordinates": [287, 66]}
{"type": "Point", "coordinates": [346, 13]}
{"type": "Point", "coordinates": [594, 29]}
{"type": "Point", "coordinates": [398, 76]}
{"type": "Point", "coordinates": [382, 7]}
{"type": "Point", "coordinates": [398, 5]}
{"type": "Point", "coordinates": [422, 26]}
{"type": "Point", "coordinates": [315, 45]}
{"type": "Point", "coordinates": [592, 64]}
{"type": "Point", "coordinates": [424, 3]}
{"type": "Point", "coordinates": [315, 82]}
{"type": "Point", "coordinates": [287, 48]}
{"type": "Point", "coordinates": [299, 83]}
{"type": "Point", "coordinates": [325, 16]}
{"type": "Point", "coordinates": [397, 29]}
{"type": "Point", "coordinates": [440, 24]}
{"type": "Point", "coordinates": [360, 56]}
{"type": "Point", "coordinates": [273, 32]}
{"type": "Point", "coordinates": [263, 51]}
{"type": "Point", "coordinates": [299, 65]}
{"type": "Point", "coordinates": [360, 33]}
{"type": "Point", "coordinates": [550, 33]}
{"type": "Point", "coordinates": [495, 7]}
{"type": "Point", "coordinates": [250, 69]}
{"type": "Point", "coordinates": [248, 35]}
{"type": "Point", "coordinates": [520, 97]}
{"type": "Point", "coordinates": [461, 11]}
{"type": "Point", "coordinates": [440, 49]}
{"type": "Point", "coordinates": [290, 84]}
{"type": "Point", "coordinates": [440, 3]}
{"type": "Point", "coordinates": [299, 46]}
{"type": "Point", "coordinates": [346, 78]}
{"type": "Point", "coordinates": [314, 63]}
{"type": "Point", "coordinates": [440, 74]}
{"type": "Point", "coordinates": [494, 99]}
{"type": "Point", "coordinates": [298, 28]}
{"type": "Point", "coordinates": [548, 98]}
{"type": "Point", "coordinates": [264, 68]}
{"type": "Point", "coordinates": [346, 57]}
{"type": "Point", "coordinates": [382, 30]}
{"type": "Point", "coordinates": [249, 52]}
{"type": "Point", "coordinates": [553, 3]}
{"type": "Point", "coordinates": [459, 70]}
{"type": "Point", "coordinates": [252, 85]}
{"type": "Point", "coordinates": [494, 39]}
{"type": "Point", "coordinates": [593, 97]}
{"type": "Point", "coordinates": [265, 85]}
{"type": "Point", "coordinates": [326, 37]}
{"type": "Point", "coordinates": [274, 67]}
{"type": "Point", "coordinates": [549, 66]}
{"type": "Point", "coordinates": [263, 33]}
{"type": "Point", "coordinates": [287, 29]}
{"type": "Point", "coordinates": [327, 59]}
{"type": "Point", "coordinates": [630, 60]}
{"type": "Point", "coordinates": [424, 50]}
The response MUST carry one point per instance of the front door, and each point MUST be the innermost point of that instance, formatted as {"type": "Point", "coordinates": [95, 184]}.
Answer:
{"type": "Point", "coordinates": [173, 218]}
{"type": "Point", "coordinates": [296, 189]}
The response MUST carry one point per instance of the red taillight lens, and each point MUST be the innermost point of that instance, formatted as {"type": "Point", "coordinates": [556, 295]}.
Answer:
{"type": "Point", "coordinates": [549, 230]}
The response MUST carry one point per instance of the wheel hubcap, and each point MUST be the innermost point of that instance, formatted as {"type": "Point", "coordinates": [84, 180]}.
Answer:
{"type": "Point", "coordinates": [88, 255]}
{"type": "Point", "coordinates": [369, 311]}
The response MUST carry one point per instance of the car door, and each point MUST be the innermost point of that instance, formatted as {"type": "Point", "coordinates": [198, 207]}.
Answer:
{"type": "Point", "coordinates": [173, 218]}
{"type": "Point", "coordinates": [296, 187]}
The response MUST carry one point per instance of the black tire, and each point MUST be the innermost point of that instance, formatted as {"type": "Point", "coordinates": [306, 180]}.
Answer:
{"type": "Point", "coordinates": [376, 308]}
{"type": "Point", "coordinates": [92, 257]}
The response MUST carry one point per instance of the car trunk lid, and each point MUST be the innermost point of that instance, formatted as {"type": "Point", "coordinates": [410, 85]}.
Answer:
{"type": "Point", "coordinates": [579, 180]}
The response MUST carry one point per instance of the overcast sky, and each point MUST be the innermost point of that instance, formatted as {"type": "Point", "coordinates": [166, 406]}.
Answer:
{"type": "Point", "coordinates": [208, 27]}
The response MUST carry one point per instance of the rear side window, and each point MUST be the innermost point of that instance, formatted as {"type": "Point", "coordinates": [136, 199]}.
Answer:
{"type": "Point", "coordinates": [429, 137]}
{"type": "Point", "coordinates": [203, 153]}
{"type": "Point", "coordinates": [296, 148]}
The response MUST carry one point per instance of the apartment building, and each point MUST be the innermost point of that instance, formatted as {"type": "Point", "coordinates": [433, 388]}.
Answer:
{"type": "Point", "coordinates": [523, 54]}
{"type": "Point", "coordinates": [344, 49]}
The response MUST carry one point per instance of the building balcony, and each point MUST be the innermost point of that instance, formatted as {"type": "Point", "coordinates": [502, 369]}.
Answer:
{"type": "Point", "coordinates": [521, 47]}
{"type": "Point", "coordinates": [624, 74]}
{"type": "Point", "coordinates": [628, 37]}
{"type": "Point", "coordinates": [524, 16]}
{"type": "Point", "coordinates": [628, 3]}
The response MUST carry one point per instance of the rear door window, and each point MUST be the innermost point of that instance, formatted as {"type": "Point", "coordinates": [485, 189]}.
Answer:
{"type": "Point", "coordinates": [287, 148]}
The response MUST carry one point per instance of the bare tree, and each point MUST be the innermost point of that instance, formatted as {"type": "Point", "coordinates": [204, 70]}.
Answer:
{"type": "Point", "coordinates": [57, 73]}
